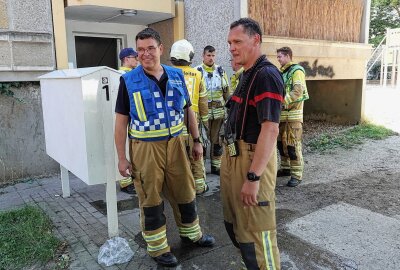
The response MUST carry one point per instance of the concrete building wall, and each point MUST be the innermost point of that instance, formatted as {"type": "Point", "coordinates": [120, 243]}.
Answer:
{"type": "Point", "coordinates": [26, 39]}
{"type": "Point", "coordinates": [26, 51]}
{"type": "Point", "coordinates": [22, 147]}
{"type": "Point", "coordinates": [207, 23]}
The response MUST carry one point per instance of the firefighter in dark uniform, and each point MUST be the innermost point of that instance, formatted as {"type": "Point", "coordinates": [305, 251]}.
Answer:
{"type": "Point", "coordinates": [248, 168]}
{"type": "Point", "coordinates": [155, 99]}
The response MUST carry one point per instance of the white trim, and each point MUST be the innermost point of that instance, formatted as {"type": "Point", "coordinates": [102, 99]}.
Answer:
{"type": "Point", "coordinates": [126, 33]}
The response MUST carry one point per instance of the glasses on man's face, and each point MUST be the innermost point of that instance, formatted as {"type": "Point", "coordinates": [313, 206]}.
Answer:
{"type": "Point", "coordinates": [149, 50]}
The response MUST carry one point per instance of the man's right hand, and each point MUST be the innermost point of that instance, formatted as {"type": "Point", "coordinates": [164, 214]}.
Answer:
{"type": "Point", "coordinates": [125, 167]}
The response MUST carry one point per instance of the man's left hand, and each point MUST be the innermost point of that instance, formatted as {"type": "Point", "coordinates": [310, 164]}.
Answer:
{"type": "Point", "coordinates": [197, 151]}
{"type": "Point", "coordinates": [249, 193]}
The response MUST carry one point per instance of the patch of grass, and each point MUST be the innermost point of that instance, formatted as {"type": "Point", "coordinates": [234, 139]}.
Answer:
{"type": "Point", "coordinates": [26, 238]}
{"type": "Point", "coordinates": [350, 137]}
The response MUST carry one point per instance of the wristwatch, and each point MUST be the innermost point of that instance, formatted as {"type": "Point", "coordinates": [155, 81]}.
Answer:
{"type": "Point", "coordinates": [197, 140]}
{"type": "Point", "coordinates": [252, 177]}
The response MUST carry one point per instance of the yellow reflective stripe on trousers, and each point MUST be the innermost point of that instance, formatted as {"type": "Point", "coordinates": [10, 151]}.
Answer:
{"type": "Point", "coordinates": [192, 232]}
{"type": "Point", "coordinates": [139, 106]}
{"type": "Point", "coordinates": [204, 118]}
{"type": "Point", "coordinates": [161, 246]}
{"type": "Point", "coordinates": [155, 133]}
{"type": "Point", "coordinates": [267, 246]}
{"type": "Point", "coordinates": [154, 237]}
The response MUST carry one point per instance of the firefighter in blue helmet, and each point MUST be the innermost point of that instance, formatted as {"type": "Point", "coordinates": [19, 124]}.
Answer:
{"type": "Point", "coordinates": [155, 99]}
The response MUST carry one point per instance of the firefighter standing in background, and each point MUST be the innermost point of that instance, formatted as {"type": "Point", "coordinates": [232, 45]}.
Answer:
{"type": "Point", "coordinates": [291, 121]}
{"type": "Point", "coordinates": [153, 100]}
{"type": "Point", "coordinates": [181, 56]}
{"type": "Point", "coordinates": [129, 61]}
{"type": "Point", "coordinates": [216, 83]}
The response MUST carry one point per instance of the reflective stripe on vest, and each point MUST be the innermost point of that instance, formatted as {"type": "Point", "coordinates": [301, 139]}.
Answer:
{"type": "Point", "coordinates": [213, 84]}
{"type": "Point", "coordinates": [153, 116]}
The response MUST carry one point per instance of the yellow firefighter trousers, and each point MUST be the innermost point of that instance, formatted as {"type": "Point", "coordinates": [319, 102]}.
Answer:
{"type": "Point", "coordinates": [251, 229]}
{"type": "Point", "coordinates": [214, 126]}
{"type": "Point", "coordinates": [162, 167]}
{"type": "Point", "coordinates": [289, 146]}
{"type": "Point", "coordinates": [197, 167]}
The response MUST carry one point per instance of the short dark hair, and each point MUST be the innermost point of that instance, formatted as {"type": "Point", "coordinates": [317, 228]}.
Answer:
{"type": "Point", "coordinates": [179, 62]}
{"type": "Point", "coordinates": [208, 48]}
{"type": "Point", "coordinates": [149, 33]}
{"type": "Point", "coordinates": [285, 51]}
{"type": "Point", "coordinates": [251, 27]}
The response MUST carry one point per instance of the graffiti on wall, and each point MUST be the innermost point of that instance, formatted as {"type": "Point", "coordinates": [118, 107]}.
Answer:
{"type": "Point", "coordinates": [315, 69]}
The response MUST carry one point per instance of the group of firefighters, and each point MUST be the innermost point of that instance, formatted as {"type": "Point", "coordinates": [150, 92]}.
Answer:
{"type": "Point", "coordinates": [145, 99]}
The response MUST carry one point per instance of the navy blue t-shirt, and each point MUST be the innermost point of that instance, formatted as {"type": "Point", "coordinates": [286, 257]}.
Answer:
{"type": "Point", "coordinates": [263, 99]}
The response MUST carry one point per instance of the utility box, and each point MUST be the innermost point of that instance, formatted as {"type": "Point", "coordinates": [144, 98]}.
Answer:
{"type": "Point", "coordinates": [78, 115]}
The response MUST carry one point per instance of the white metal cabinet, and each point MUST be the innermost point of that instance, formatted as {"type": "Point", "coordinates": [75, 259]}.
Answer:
{"type": "Point", "coordinates": [78, 114]}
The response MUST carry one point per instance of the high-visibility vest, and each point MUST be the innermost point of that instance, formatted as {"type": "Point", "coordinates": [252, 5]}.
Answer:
{"type": "Point", "coordinates": [215, 81]}
{"type": "Point", "coordinates": [153, 116]}
{"type": "Point", "coordinates": [293, 109]}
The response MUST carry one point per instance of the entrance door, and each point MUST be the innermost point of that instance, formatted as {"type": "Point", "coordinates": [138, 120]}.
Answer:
{"type": "Point", "coordinates": [96, 51]}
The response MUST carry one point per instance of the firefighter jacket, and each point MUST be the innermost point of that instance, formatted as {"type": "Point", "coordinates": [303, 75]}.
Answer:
{"type": "Point", "coordinates": [197, 92]}
{"type": "Point", "coordinates": [153, 116]}
{"type": "Point", "coordinates": [235, 79]}
{"type": "Point", "coordinates": [296, 93]}
{"type": "Point", "coordinates": [216, 83]}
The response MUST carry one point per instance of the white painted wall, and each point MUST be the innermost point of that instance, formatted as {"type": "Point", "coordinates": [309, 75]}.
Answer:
{"type": "Point", "coordinates": [125, 32]}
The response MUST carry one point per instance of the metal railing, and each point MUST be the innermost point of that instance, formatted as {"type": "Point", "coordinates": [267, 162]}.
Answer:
{"type": "Point", "coordinates": [376, 55]}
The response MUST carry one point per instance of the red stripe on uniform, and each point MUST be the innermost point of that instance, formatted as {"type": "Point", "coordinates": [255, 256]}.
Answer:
{"type": "Point", "coordinates": [268, 95]}
{"type": "Point", "coordinates": [237, 99]}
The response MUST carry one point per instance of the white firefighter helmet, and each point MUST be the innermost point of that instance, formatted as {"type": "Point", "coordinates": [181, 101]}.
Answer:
{"type": "Point", "coordinates": [182, 50]}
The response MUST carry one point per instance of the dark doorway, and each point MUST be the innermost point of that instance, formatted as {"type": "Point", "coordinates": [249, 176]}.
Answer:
{"type": "Point", "coordinates": [95, 51]}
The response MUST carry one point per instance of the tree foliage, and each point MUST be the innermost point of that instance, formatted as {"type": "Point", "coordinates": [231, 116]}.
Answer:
{"type": "Point", "coordinates": [384, 14]}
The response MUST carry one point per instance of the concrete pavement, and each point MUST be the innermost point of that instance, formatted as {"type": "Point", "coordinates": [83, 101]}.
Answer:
{"type": "Point", "coordinates": [342, 221]}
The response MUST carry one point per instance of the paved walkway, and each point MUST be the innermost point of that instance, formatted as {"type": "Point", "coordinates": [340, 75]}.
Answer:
{"type": "Point", "coordinates": [81, 221]}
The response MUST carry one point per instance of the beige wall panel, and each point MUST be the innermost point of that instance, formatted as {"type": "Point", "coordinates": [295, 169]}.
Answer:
{"type": "Point", "coordinates": [5, 55]}
{"type": "Point", "coordinates": [165, 28]}
{"type": "Point", "coordinates": [323, 60]}
{"type": "Point", "coordinates": [339, 99]}
{"type": "Point", "coordinates": [32, 16]}
{"type": "Point", "coordinates": [41, 54]}
{"type": "Point", "coordinates": [3, 15]}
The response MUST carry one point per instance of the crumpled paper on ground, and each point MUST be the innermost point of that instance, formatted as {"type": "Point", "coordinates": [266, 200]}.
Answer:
{"type": "Point", "coordinates": [115, 251]}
